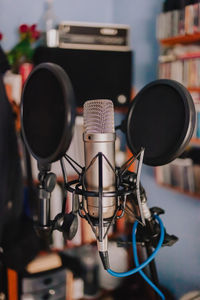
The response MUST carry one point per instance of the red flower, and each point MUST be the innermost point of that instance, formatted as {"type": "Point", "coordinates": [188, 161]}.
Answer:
{"type": "Point", "coordinates": [35, 34]}
{"type": "Point", "coordinates": [1, 36]}
{"type": "Point", "coordinates": [23, 28]}
{"type": "Point", "coordinates": [33, 28]}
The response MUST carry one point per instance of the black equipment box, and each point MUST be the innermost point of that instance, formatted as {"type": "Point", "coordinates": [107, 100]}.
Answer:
{"type": "Point", "coordinates": [95, 74]}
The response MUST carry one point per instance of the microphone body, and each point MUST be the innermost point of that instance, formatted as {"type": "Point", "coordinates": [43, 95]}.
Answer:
{"type": "Point", "coordinates": [104, 143]}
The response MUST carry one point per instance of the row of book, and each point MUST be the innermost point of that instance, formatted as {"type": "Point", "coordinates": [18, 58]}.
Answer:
{"type": "Point", "coordinates": [180, 173]}
{"type": "Point", "coordinates": [169, 5]}
{"type": "Point", "coordinates": [186, 71]}
{"type": "Point", "coordinates": [178, 22]}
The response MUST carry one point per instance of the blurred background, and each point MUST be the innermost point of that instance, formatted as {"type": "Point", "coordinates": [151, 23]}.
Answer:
{"type": "Point", "coordinates": [178, 266]}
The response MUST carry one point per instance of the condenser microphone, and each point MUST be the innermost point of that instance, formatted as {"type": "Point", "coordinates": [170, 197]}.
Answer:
{"type": "Point", "coordinates": [99, 149]}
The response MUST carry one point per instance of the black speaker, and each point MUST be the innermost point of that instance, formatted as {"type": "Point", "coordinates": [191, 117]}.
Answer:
{"type": "Point", "coordinates": [95, 74]}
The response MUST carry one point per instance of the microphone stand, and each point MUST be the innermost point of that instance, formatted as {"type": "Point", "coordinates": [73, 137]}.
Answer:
{"type": "Point", "coordinates": [152, 266]}
{"type": "Point", "coordinates": [128, 186]}
{"type": "Point", "coordinates": [148, 231]}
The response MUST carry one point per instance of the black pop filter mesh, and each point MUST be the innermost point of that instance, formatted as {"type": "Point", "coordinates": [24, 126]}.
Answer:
{"type": "Point", "coordinates": [43, 120]}
{"type": "Point", "coordinates": [162, 120]}
{"type": "Point", "coordinates": [48, 112]}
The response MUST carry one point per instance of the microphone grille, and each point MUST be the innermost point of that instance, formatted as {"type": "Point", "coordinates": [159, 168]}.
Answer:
{"type": "Point", "coordinates": [98, 116]}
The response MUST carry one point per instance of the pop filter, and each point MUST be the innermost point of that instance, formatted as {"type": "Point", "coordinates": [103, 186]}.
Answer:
{"type": "Point", "coordinates": [161, 119]}
{"type": "Point", "coordinates": [47, 113]}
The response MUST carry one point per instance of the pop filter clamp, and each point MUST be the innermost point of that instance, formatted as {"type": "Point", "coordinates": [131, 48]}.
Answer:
{"type": "Point", "coordinates": [47, 118]}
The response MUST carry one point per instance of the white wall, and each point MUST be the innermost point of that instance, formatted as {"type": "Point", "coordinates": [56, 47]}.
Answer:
{"type": "Point", "coordinates": [141, 16]}
{"type": "Point", "coordinates": [16, 12]}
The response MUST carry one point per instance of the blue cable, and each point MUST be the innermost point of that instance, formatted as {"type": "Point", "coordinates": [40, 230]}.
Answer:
{"type": "Point", "coordinates": [142, 273]}
{"type": "Point", "coordinates": [147, 261]}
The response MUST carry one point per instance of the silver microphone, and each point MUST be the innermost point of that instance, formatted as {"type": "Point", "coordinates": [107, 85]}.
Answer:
{"type": "Point", "coordinates": [99, 137]}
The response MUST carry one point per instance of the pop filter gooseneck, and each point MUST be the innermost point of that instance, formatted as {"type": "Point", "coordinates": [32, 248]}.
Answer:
{"type": "Point", "coordinates": [161, 119]}
{"type": "Point", "coordinates": [47, 113]}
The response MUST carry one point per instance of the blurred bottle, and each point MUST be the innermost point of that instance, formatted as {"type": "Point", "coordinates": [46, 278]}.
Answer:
{"type": "Point", "coordinates": [48, 26]}
{"type": "Point", "coordinates": [119, 261]}
{"type": "Point", "coordinates": [90, 267]}
{"type": "Point", "coordinates": [4, 65]}
{"type": "Point", "coordinates": [78, 288]}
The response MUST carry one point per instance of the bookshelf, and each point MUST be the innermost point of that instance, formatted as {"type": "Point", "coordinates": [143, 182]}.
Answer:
{"type": "Point", "coordinates": [195, 141]}
{"type": "Point", "coordinates": [178, 34]}
{"type": "Point", "coordinates": [179, 190]}
{"type": "Point", "coordinates": [194, 89]}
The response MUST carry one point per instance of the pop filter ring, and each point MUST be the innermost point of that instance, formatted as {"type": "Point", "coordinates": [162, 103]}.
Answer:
{"type": "Point", "coordinates": [81, 192]}
{"type": "Point", "coordinates": [69, 105]}
{"type": "Point", "coordinates": [187, 131]}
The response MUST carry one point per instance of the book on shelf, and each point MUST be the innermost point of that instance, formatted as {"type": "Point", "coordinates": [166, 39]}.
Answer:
{"type": "Point", "coordinates": [196, 169]}
{"type": "Point", "coordinates": [181, 22]}
{"type": "Point", "coordinates": [176, 173]}
{"type": "Point", "coordinates": [189, 18]}
{"type": "Point", "coordinates": [175, 22]}
{"type": "Point", "coordinates": [196, 99]}
{"type": "Point", "coordinates": [188, 175]}
{"type": "Point", "coordinates": [196, 15]}
{"type": "Point", "coordinates": [163, 174]}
